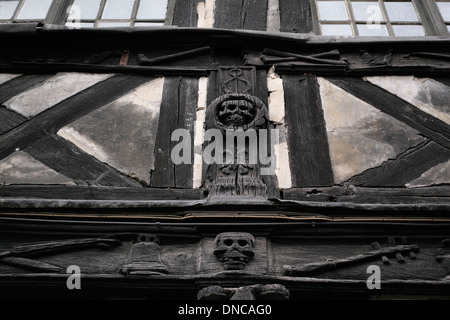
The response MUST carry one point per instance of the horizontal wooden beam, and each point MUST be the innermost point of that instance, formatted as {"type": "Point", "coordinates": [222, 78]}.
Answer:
{"type": "Point", "coordinates": [356, 194]}
{"type": "Point", "coordinates": [38, 68]}
{"type": "Point", "coordinates": [98, 193]}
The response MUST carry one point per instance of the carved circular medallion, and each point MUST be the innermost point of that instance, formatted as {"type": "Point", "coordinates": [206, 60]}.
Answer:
{"type": "Point", "coordinates": [236, 111]}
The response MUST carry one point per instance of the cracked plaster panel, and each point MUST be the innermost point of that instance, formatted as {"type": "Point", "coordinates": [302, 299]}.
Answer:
{"type": "Point", "coordinates": [122, 133]}
{"type": "Point", "coordinates": [21, 168]}
{"type": "Point", "coordinates": [52, 91]}
{"type": "Point", "coordinates": [428, 95]}
{"type": "Point", "coordinates": [439, 174]}
{"type": "Point", "coordinates": [5, 77]}
{"type": "Point", "coordinates": [360, 136]}
{"type": "Point", "coordinates": [277, 117]}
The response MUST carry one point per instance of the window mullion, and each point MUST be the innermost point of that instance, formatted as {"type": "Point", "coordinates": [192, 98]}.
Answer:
{"type": "Point", "coordinates": [58, 11]}
{"type": "Point", "coordinates": [134, 12]}
{"type": "Point", "coordinates": [17, 11]}
{"type": "Point", "coordinates": [388, 21]}
{"type": "Point", "coordinates": [431, 18]}
{"type": "Point", "coordinates": [100, 13]}
{"type": "Point", "coordinates": [351, 16]}
{"type": "Point", "coordinates": [170, 12]}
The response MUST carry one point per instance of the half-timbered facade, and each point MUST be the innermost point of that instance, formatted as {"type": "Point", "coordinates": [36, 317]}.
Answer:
{"type": "Point", "coordinates": [109, 110]}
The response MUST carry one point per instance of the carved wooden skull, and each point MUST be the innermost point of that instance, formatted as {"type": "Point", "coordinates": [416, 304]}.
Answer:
{"type": "Point", "coordinates": [236, 113]}
{"type": "Point", "coordinates": [234, 249]}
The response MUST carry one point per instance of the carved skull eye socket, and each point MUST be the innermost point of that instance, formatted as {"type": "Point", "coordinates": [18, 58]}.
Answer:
{"type": "Point", "coordinates": [243, 108]}
{"type": "Point", "coordinates": [228, 242]}
{"type": "Point", "coordinates": [242, 243]}
{"type": "Point", "coordinates": [232, 107]}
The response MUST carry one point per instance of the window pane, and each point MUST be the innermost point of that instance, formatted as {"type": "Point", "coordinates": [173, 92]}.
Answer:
{"type": "Point", "coordinates": [88, 9]}
{"type": "Point", "coordinates": [7, 9]}
{"type": "Point", "coordinates": [152, 9]}
{"type": "Point", "coordinates": [408, 31]}
{"type": "Point", "coordinates": [401, 11]}
{"type": "Point", "coordinates": [367, 10]}
{"type": "Point", "coordinates": [113, 24]}
{"type": "Point", "coordinates": [118, 9]}
{"type": "Point", "coordinates": [332, 10]}
{"type": "Point", "coordinates": [34, 9]}
{"type": "Point", "coordinates": [372, 30]}
{"type": "Point", "coordinates": [444, 7]}
{"type": "Point", "coordinates": [336, 30]}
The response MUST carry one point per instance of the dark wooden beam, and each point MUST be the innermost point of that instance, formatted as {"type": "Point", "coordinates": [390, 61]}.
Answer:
{"type": "Point", "coordinates": [445, 81]}
{"type": "Point", "coordinates": [38, 68]}
{"type": "Point", "coordinates": [295, 16]}
{"type": "Point", "coordinates": [377, 195]}
{"type": "Point", "coordinates": [405, 168]}
{"type": "Point", "coordinates": [308, 143]}
{"type": "Point", "coordinates": [241, 14]}
{"type": "Point", "coordinates": [185, 13]}
{"type": "Point", "coordinates": [187, 114]}
{"type": "Point", "coordinates": [67, 159]}
{"type": "Point", "coordinates": [99, 193]}
{"type": "Point", "coordinates": [67, 111]}
{"type": "Point", "coordinates": [9, 120]}
{"type": "Point", "coordinates": [18, 85]}
{"type": "Point", "coordinates": [431, 127]}
{"type": "Point", "coordinates": [178, 111]}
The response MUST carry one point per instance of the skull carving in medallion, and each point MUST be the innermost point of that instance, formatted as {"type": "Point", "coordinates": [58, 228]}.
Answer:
{"type": "Point", "coordinates": [236, 113]}
{"type": "Point", "coordinates": [234, 249]}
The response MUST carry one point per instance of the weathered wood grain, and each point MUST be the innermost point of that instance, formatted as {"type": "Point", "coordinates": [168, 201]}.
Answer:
{"type": "Point", "coordinates": [185, 13]}
{"type": "Point", "coordinates": [9, 120]}
{"type": "Point", "coordinates": [20, 84]}
{"type": "Point", "coordinates": [29, 264]}
{"type": "Point", "coordinates": [187, 110]}
{"type": "Point", "coordinates": [308, 143]}
{"type": "Point", "coordinates": [99, 193]}
{"type": "Point", "coordinates": [431, 127]}
{"type": "Point", "coordinates": [67, 111]}
{"type": "Point", "coordinates": [317, 267]}
{"type": "Point", "coordinates": [44, 68]}
{"type": "Point", "coordinates": [170, 57]}
{"type": "Point", "coordinates": [295, 16]}
{"type": "Point", "coordinates": [241, 14]}
{"type": "Point", "coordinates": [67, 159]}
{"type": "Point", "coordinates": [178, 109]}
{"type": "Point", "coordinates": [370, 194]}
{"type": "Point", "coordinates": [445, 81]}
{"type": "Point", "coordinates": [405, 168]}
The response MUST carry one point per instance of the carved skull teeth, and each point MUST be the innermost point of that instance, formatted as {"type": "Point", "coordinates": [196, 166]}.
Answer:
{"type": "Point", "coordinates": [234, 249]}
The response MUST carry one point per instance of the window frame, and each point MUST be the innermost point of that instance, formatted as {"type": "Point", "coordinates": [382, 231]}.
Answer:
{"type": "Point", "coordinates": [429, 17]}
{"type": "Point", "coordinates": [58, 14]}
